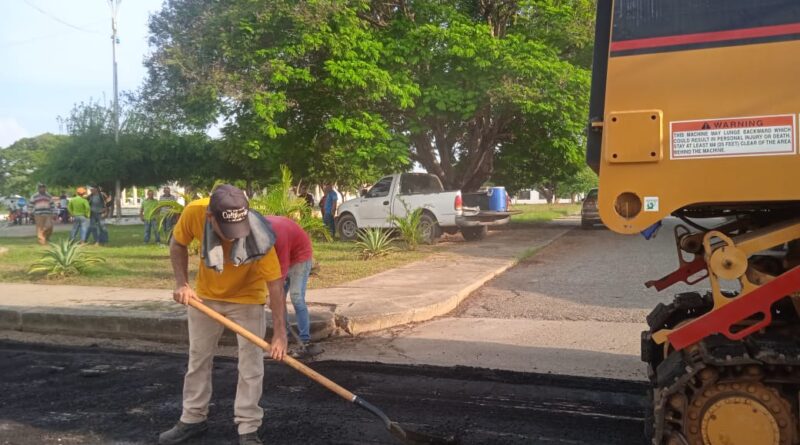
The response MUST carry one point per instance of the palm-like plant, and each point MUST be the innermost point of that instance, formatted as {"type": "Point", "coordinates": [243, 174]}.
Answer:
{"type": "Point", "coordinates": [374, 242]}
{"type": "Point", "coordinates": [166, 210]}
{"type": "Point", "coordinates": [408, 226]}
{"type": "Point", "coordinates": [279, 200]}
{"type": "Point", "coordinates": [64, 259]}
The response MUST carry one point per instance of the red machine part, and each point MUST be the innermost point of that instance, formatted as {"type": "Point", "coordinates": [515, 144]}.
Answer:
{"type": "Point", "coordinates": [722, 320]}
{"type": "Point", "coordinates": [683, 273]}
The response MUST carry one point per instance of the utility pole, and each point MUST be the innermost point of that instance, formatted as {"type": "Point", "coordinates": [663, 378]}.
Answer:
{"type": "Point", "coordinates": [114, 4]}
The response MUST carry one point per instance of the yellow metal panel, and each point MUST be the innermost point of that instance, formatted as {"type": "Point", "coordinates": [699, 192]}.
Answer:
{"type": "Point", "coordinates": [633, 136]}
{"type": "Point", "coordinates": [697, 85]}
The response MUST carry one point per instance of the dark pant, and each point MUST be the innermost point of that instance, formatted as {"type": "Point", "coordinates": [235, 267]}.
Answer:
{"type": "Point", "coordinates": [169, 224]}
{"type": "Point", "coordinates": [97, 228]}
{"type": "Point", "coordinates": [151, 226]}
{"type": "Point", "coordinates": [330, 223]}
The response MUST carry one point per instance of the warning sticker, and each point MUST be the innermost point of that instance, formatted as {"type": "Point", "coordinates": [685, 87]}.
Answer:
{"type": "Point", "coordinates": [746, 136]}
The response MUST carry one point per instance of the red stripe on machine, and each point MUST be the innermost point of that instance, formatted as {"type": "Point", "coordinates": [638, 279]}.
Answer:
{"type": "Point", "coordinates": [706, 37]}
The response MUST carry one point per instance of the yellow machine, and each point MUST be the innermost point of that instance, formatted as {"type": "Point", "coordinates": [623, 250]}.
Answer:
{"type": "Point", "coordinates": [694, 115]}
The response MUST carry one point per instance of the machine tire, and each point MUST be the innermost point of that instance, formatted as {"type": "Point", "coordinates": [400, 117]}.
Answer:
{"type": "Point", "coordinates": [690, 386]}
{"type": "Point", "coordinates": [347, 228]}
{"type": "Point", "coordinates": [586, 224]}
{"type": "Point", "coordinates": [474, 233]}
{"type": "Point", "coordinates": [430, 229]}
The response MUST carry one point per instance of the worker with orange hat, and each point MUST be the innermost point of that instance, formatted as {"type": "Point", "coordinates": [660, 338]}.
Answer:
{"type": "Point", "coordinates": [78, 207]}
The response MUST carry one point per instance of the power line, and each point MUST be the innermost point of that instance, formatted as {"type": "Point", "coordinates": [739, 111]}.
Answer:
{"type": "Point", "coordinates": [41, 37]}
{"type": "Point", "coordinates": [78, 28]}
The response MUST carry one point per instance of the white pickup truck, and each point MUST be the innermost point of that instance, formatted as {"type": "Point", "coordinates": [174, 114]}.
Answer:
{"type": "Point", "coordinates": [442, 211]}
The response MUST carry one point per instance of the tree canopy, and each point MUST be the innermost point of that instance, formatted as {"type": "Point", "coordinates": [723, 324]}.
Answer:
{"type": "Point", "coordinates": [20, 163]}
{"type": "Point", "coordinates": [145, 154]}
{"type": "Point", "coordinates": [351, 89]}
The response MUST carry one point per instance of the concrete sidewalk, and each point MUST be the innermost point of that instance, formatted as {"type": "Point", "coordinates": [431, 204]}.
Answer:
{"type": "Point", "coordinates": [416, 292]}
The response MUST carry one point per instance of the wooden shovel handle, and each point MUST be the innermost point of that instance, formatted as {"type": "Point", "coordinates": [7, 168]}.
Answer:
{"type": "Point", "coordinates": [261, 343]}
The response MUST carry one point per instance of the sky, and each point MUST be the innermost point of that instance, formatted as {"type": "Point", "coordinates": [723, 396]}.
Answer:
{"type": "Point", "coordinates": [56, 53]}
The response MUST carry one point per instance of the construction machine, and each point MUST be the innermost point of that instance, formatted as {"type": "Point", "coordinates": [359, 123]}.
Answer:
{"type": "Point", "coordinates": [693, 116]}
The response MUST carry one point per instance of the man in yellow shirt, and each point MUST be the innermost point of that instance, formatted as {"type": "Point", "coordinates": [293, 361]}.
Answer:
{"type": "Point", "coordinates": [238, 266]}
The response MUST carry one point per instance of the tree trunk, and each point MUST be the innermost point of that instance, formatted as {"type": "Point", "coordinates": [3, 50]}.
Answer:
{"type": "Point", "coordinates": [549, 192]}
{"type": "Point", "coordinates": [462, 154]}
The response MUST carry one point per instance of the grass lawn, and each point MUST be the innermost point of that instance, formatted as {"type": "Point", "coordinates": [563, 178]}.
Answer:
{"type": "Point", "coordinates": [537, 213]}
{"type": "Point", "coordinates": [131, 264]}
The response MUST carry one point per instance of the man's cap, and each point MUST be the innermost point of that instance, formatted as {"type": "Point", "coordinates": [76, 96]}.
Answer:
{"type": "Point", "coordinates": [230, 208]}
{"type": "Point", "coordinates": [41, 184]}
{"type": "Point", "coordinates": [80, 191]}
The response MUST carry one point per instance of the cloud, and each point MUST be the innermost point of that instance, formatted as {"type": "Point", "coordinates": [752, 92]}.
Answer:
{"type": "Point", "coordinates": [10, 131]}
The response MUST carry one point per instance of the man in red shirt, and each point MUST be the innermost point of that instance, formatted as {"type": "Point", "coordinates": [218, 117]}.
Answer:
{"type": "Point", "coordinates": [295, 253]}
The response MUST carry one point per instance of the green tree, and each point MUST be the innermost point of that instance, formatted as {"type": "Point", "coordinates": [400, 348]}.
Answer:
{"type": "Point", "coordinates": [291, 83]}
{"type": "Point", "coordinates": [20, 163]}
{"type": "Point", "coordinates": [578, 184]}
{"type": "Point", "coordinates": [146, 153]}
{"type": "Point", "coordinates": [351, 89]}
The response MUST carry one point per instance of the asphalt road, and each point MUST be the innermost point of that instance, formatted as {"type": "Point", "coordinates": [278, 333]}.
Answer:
{"type": "Point", "coordinates": [576, 307]}
{"type": "Point", "coordinates": [62, 395]}
{"type": "Point", "coordinates": [586, 275]}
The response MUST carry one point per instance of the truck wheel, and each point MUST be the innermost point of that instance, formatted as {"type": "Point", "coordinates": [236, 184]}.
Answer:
{"type": "Point", "coordinates": [474, 233]}
{"type": "Point", "coordinates": [429, 228]}
{"type": "Point", "coordinates": [347, 228]}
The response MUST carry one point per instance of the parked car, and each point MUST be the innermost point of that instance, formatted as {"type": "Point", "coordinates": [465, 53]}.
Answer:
{"type": "Point", "coordinates": [589, 212]}
{"type": "Point", "coordinates": [443, 211]}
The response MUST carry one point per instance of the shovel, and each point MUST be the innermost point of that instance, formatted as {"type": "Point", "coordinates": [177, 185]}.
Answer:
{"type": "Point", "coordinates": [405, 436]}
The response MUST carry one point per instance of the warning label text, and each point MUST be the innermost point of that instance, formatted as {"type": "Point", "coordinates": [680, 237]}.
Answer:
{"type": "Point", "coordinates": [750, 136]}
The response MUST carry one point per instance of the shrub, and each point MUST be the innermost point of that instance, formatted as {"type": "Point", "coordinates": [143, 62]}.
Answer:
{"type": "Point", "coordinates": [279, 200]}
{"type": "Point", "coordinates": [408, 227]}
{"type": "Point", "coordinates": [64, 259]}
{"type": "Point", "coordinates": [374, 242]}
{"type": "Point", "coordinates": [165, 210]}
{"type": "Point", "coordinates": [173, 209]}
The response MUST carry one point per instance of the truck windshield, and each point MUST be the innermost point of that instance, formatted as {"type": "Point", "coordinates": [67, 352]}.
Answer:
{"type": "Point", "coordinates": [381, 188]}
{"type": "Point", "coordinates": [417, 183]}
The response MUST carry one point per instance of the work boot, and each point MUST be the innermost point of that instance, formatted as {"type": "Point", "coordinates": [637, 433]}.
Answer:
{"type": "Point", "coordinates": [182, 432]}
{"type": "Point", "coordinates": [306, 349]}
{"type": "Point", "coordinates": [313, 348]}
{"type": "Point", "coordinates": [300, 351]}
{"type": "Point", "coordinates": [250, 439]}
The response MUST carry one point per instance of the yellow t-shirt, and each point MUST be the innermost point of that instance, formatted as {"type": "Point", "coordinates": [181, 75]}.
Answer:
{"type": "Point", "coordinates": [245, 284]}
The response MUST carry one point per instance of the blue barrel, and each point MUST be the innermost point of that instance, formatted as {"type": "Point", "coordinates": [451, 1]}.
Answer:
{"type": "Point", "coordinates": [497, 199]}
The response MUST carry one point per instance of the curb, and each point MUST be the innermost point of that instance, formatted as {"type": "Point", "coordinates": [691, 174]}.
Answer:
{"type": "Point", "coordinates": [370, 323]}
{"type": "Point", "coordinates": [126, 324]}
{"type": "Point", "coordinates": [171, 327]}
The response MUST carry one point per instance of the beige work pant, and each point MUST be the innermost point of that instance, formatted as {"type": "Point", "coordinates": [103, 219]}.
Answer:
{"type": "Point", "coordinates": [44, 227]}
{"type": "Point", "coordinates": [204, 335]}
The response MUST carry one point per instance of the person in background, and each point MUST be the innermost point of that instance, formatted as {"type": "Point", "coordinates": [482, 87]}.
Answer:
{"type": "Point", "coordinates": [109, 202]}
{"type": "Point", "coordinates": [307, 196]}
{"type": "Point", "coordinates": [192, 194]}
{"type": "Point", "coordinates": [78, 208]}
{"type": "Point", "coordinates": [63, 202]}
{"type": "Point", "coordinates": [295, 252]}
{"type": "Point", "coordinates": [169, 222]}
{"type": "Point", "coordinates": [22, 211]}
{"type": "Point", "coordinates": [97, 207]}
{"type": "Point", "coordinates": [329, 208]}
{"type": "Point", "coordinates": [147, 215]}
{"type": "Point", "coordinates": [44, 212]}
